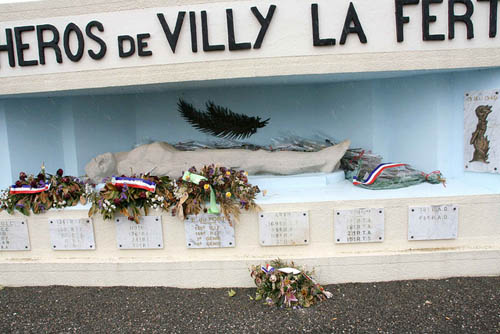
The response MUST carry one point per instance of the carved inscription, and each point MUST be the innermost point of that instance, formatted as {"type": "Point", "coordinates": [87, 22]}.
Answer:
{"type": "Point", "coordinates": [148, 234]}
{"type": "Point", "coordinates": [433, 222]}
{"type": "Point", "coordinates": [14, 235]}
{"type": "Point", "coordinates": [72, 234]}
{"type": "Point", "coordinates": [284, 228]}
{"type": "Point", "coordinates": [208, 231]}
{"type": "Point", "coordinates": [359, 225]}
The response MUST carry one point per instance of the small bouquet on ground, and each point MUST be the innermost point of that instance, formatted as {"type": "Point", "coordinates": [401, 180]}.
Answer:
{"type": "Point", "coordinates": [44, 191]}
{"type": "Point", "coordinates": [130, 195]}
{"type": "Point", "coordinates": [218, 186]}
{"type": "Point", "coordinates": [284, 285]}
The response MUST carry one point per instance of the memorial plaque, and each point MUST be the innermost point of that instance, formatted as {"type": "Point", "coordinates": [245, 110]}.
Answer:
{"type": "Point", "coordinates": [72, 234]}
{"type": "Point", "coordinates": [208, 231]}
{"type": "Point", "coordinates": [148, 234]}
{"type": "Point", "coordinates": [359, 225]}
{"type": "Point", "coordinates": [14, 235]}
{"type": "Point", "coordinates": [482, 131]}
{"type": "Point", "coordinates": [284, 228]}
{"type": "Point", "coordinates": [433, 222]}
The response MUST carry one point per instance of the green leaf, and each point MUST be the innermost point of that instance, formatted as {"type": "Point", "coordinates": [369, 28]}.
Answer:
{"type": "Point", "coordinates": [258, 297]}
{"type": "Point", "coordinates": [231, 293]}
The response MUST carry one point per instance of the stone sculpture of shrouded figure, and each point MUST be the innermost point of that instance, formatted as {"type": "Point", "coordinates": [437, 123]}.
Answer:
{"type": "Point", "coordinates": [160, 158]}
{"type": "Point", "coordinates": [479, 139]}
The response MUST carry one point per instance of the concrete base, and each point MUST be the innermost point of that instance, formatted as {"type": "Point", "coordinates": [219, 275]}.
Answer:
{"type": "Point", "coordinates": [375, 267]}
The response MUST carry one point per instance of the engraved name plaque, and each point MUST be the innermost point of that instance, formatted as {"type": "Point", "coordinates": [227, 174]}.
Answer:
{"type": "Point", "coordinates": [71, 234]}
{"type": "Point", "coordinates": [433, 222]}
{"type": "Point", "coordinates": [208, 231]}
{"type": "Point", "coordinates": [284, 228]}
{"type": "Point", "coordinates": [359, 225]}
{"type": "Point", "coordinates": [14, 235]}
{"type": "Point", "coordinates": [148, 234]}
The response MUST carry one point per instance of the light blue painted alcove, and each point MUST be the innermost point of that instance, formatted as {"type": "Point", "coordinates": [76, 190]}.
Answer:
{"type": "Point", "coordinates": [412, 117]}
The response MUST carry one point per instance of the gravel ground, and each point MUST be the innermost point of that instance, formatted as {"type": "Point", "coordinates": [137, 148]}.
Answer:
{"type": "Point", "coordinates": [457, 305]}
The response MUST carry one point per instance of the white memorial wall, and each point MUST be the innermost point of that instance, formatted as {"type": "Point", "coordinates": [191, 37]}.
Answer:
{"type": "Point", "coordinates": [362, 236]}
{"type": "Point", "coordinates": [283, 228]}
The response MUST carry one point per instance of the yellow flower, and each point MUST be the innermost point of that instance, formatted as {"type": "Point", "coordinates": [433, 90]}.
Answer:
{"type": "Point", "coordinates": [206, 186]}
{"type": "Point", "coordinates": [228, 194]}
{"type": "Point", "coordinates": [246, 173]}
{"type": "Point", "coordinates": [228, 173]}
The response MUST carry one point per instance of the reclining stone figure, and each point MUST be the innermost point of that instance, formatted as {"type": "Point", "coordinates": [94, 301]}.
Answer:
{"type": "Point", "coordinates": [161, 158]}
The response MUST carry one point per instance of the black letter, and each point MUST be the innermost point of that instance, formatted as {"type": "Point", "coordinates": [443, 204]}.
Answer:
{"type": "Point", "coordinates": [51, 44]}
{"type": "Point", "coordinates": [23, 46]}
{"type": "Point", "coordinates": [264, 24]}
{"type": "Point", "coordinates": [194, 38]}
{"type": "Point", "coordinates": [352, 16]}
{"type": "Point", "coordinates": [315, 24]}
{"type": "Point", "coordinates": [400, 19]}
{"type": "Point", "coordinates": [204, 30]}
{"type": "Point", "coordinates": [230, 34]}
{"type": "Point", "coordinates": [130, 52]}
{"type": "Point", "coordinates": [452, 18]}
{"type": "Point", "coordinates": [493, 17]}
{"type": "Point", "coordinates": [172, 37]}
{"type": "Point", "coordinates": [81, 43]}
{"type": "Point", "coordinates": [88, 31]}
{"type": "Point", "coordinates": [9, 47]}
{"type": "Point", "coordinates": [427, 19]}
{"type": "Point", "coordinates": [141, 45]}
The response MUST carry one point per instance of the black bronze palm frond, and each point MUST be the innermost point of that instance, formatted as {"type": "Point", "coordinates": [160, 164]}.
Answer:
{"type": "Point", "coordinates": [220, 121]}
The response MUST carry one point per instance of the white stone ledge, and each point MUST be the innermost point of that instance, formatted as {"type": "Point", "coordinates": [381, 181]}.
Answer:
{"type": "Point", "coordinates": [235, 273]}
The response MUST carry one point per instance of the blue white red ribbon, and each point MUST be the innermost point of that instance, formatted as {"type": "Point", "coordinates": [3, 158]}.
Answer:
{"type": "Point", "coordinates": [267, 269]}
{"type": "Point", "coordinates": [134, 183]}
{"type": "Point", "coordinates": [26, 189]}
{"type": "Point", "coordinates": [375, 173]}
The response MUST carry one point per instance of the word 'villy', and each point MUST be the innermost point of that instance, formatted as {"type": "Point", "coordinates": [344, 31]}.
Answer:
{"type": "Point", "coordinates": [72, 43]}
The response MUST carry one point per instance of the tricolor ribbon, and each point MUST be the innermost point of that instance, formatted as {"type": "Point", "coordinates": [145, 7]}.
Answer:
{"type": "Point", "coordinates": [26, 189]}
{"type": "Point", "coordinates": [267, 269]}
{"type": "Point", "coordinates": [196, 179]}
{"type": "Point", "coordinates": [375, 173]}
{"type": "Point", "coordinates": [134, 183]}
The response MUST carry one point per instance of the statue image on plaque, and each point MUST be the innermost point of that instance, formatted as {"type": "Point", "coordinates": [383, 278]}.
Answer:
{"type": "Point", "coordinates": [14, 235]}
{"type": "Point", "coordinates": [482, 131]}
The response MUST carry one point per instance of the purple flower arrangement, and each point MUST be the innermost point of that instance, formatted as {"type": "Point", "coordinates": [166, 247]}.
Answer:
{"type": "Point", "coordinates": [132, 201]}
{"type": "Point", "coordinates": [39, 193]}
